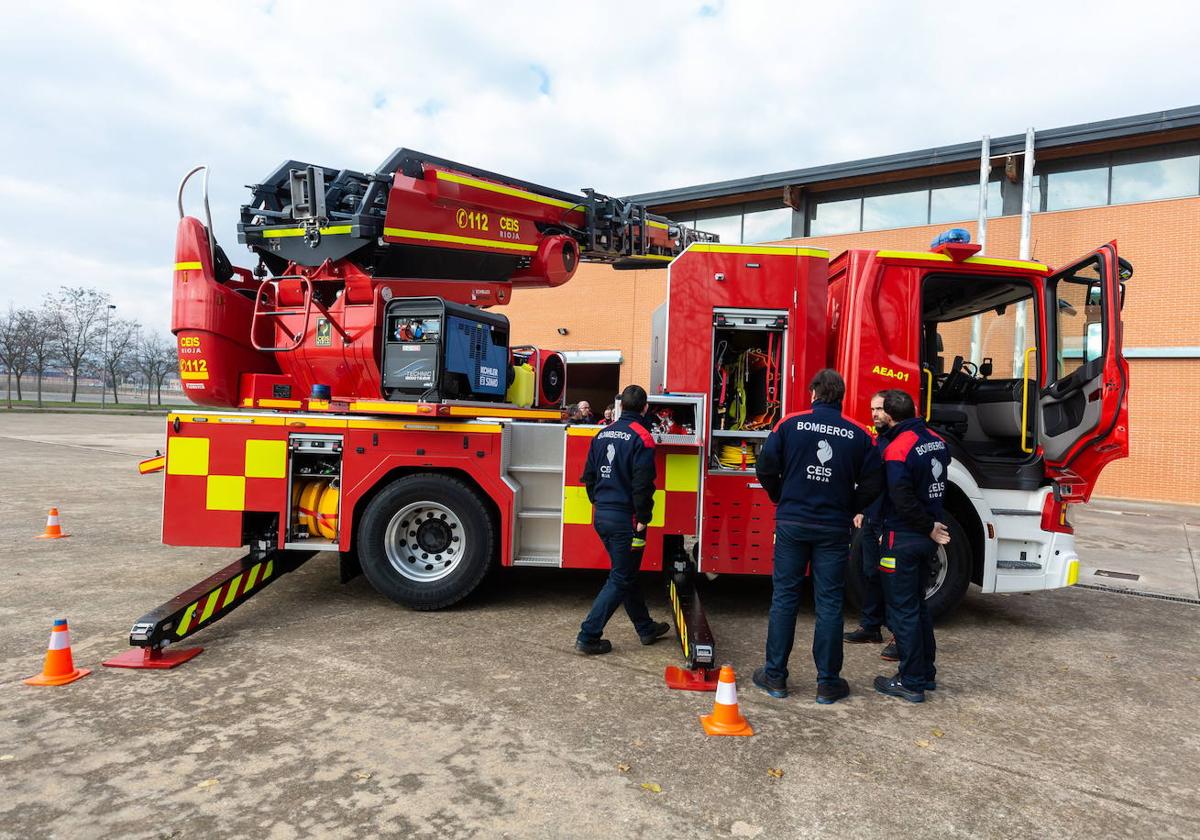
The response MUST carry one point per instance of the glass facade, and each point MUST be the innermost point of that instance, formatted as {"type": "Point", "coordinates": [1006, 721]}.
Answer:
{"type": "Point", "coordinates": [1148, 174]}
{"type": "Point", "coordinates": [1076, 188]}
{"type": "Point", "coordinates": [767, 225]}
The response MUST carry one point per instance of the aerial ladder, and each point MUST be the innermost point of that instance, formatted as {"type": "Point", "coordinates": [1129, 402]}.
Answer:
{"type": "Point", "coordinates": [373, 295]}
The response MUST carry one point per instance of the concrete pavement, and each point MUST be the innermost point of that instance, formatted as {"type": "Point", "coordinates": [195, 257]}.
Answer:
{"type": "Point", "coordinates": [320, 709]}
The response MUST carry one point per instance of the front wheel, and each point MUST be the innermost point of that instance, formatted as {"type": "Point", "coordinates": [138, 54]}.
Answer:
{"type": "Point", "coordinates": [425, 541]}
{"type": "Point", "coordinates": [949, 571]}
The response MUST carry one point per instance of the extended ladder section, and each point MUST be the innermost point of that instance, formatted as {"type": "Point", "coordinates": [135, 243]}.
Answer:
{"type": "Point", "coordinates": [306, 214]}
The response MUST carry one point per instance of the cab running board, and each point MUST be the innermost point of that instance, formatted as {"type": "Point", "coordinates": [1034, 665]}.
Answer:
{"type": "Point", "coordinates": [691, 626]}
{"type": "Point", "coordinates": [198, 607]}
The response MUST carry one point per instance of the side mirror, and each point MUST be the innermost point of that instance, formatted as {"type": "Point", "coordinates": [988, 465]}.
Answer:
{"type": "Point", "coordinates": [985, 367]}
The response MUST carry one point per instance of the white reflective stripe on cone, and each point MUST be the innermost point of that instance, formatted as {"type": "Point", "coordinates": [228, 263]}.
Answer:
{"type": "Point", "coordinates": [60, 640]}
{"type": "Point", "coordinates": [727, 693]}
{"type": "Point", "coordinates": [52, 520]}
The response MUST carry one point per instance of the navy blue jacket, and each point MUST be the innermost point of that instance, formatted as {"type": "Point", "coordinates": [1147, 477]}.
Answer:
{"type": "Point", "coordinates": [873, 515]}
{"type": "Point", "coordinates": [819, 468]}
{"type": "Point", "coordinates": [916, 463]}
{"type": "Point", "coordinates": [619, 475]}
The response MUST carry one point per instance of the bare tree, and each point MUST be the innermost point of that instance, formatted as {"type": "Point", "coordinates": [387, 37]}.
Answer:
{"type": "Point", "coordinates": [168, 361]}
{"type": "Point", "coordinates": [41, 347]}
{"type": "Point", "coordinates": [76, 318]}
{"type": "Point", "coordinates": [155, 358]}
{"type": "Point", "coordinates": [14, 347]}
{"type": "Point", "coordinates": [119, 351]}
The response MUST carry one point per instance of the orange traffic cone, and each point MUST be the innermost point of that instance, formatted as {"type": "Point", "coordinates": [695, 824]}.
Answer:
{"type": "Point", "coordinates": [53, 530]}
{"type": "Point", "coordinates": [725, 718]}
{"type": "Point", "coordinates": [59, 668]}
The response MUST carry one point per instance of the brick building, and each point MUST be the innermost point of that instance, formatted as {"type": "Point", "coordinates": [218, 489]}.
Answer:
{"type": "Point", "coordinates": [1134, 179]}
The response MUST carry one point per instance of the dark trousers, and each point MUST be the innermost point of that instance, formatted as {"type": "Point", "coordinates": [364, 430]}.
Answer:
{"type": "Point", "coordinates": [873, 616]}
{"type": "Point", "coordinates": [799, 549]}
{"type": "Point", "coordinates": [616, 532]}
{"type": "Point", "coordinates": [904, 568]}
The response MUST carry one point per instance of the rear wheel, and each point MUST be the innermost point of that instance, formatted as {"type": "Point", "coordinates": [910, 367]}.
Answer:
{"type": "Point", "coordinates": [949, 571]}
{"type": "Point", "coordinates": [425, 541]}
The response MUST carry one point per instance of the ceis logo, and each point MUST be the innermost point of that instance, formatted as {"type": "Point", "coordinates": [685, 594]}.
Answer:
{"type": "Point", "coordinates": [820, 472]}
{"type": "Point", "coordinates": [606, 469]}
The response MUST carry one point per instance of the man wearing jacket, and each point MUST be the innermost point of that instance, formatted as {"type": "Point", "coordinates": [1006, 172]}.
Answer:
{"type": "Point", "coordinates": [916, 462]}
{"type": "Point", "coordinates": [619, 477]}
{"type": "Point", "coordinates": [819, 468]}
{"type": "Point", "coordinates": [872, 617]}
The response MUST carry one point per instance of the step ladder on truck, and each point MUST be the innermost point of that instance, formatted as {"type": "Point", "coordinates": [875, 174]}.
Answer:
{"type": "Point", "coordinates": [384, 413]}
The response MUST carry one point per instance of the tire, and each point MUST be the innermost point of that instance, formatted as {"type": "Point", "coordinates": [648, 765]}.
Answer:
{"type": "Point", "coordinates": [950, 572]}
{"type": "Point", "coordinates": [426, 541]}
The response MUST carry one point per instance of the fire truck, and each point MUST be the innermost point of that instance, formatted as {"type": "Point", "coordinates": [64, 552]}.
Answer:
{"type": "Point", "coordinates": [359, 391]}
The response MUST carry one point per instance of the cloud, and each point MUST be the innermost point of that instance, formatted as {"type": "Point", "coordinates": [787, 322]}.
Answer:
{"type": "Point", "coordinates": [107, 105]}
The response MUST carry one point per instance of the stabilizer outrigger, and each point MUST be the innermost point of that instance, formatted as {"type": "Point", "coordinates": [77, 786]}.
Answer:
{"type": "Point", "coordinates": [199, 606]}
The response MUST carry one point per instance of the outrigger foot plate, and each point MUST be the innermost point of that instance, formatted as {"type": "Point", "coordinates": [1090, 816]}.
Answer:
{"type": "Point", "coordinates": [153, 658]}
{"type": "Point", "coordinates": [694, 679]}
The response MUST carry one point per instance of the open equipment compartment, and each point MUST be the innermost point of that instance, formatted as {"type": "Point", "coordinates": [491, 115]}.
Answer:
{"type": "Point", "coordinates": [314, 480]}
{"type": "Point", "coordinates": [747, 385]}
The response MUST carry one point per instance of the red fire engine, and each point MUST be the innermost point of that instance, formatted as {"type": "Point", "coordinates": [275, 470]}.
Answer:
{"type": "Point", "coordinates": [384, 413]}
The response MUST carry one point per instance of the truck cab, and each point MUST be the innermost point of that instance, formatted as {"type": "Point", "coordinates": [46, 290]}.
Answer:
{"type": "Point", "coordinates": [1019, 367]}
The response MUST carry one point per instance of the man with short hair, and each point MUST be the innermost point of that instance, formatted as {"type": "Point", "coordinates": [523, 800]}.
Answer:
{"type": "Point", "coordinates": [585, 412]}
{"type": "Point", "coordinates": [819, 468]}
{"type": "Point", "coordinates": [916, 462]}
{"type": "Point", "coordinates": [872, 617]}
{"type": "Point", "coordinates": [619, 478]}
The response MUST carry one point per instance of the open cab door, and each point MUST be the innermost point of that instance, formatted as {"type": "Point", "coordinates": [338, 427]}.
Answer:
{"type": "Point", "coordinates": [1083, 411]}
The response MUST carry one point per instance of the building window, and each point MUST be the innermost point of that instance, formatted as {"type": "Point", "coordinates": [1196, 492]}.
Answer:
{"type": "Point", "coordinates": [896, 209]}
{"type": "Point", "coordinates": [960, 203]}
{"type": "Point", "coordinates": [1076, 188]}
{"type": "Point", "coordinates": [831, 217]}
{"type": "Point", "coordinates": [1150, 180]}
{"type": "Point", "coordinates": [767, 225]}
{"type": "Point", "coordinates": [728, 228]}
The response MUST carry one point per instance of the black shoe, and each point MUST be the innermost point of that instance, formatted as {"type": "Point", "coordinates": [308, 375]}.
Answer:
{"type": "Point", "coordinates": [776, 688]}
{"type": "Point", "coordinates": [593, 648]}
{"type": "Point", "coordinates": [893, 687]}
{"type": "Point", "coordinates": [862, 636]}
{"type": "Point", "coordinates": [661, 628]}
{"type": "Point", "coordinates": [827, 694]}
{"type": "Point", "coordinates": [891, 653]}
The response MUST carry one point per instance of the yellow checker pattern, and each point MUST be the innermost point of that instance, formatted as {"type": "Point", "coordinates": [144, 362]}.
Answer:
{"type": "Point", "coordinates": [683, 473]}
{"type": "Point", "coordinates": [660, 509]}
{"type": "Point", "coordinates": [191, 456]}
{"type": "Point", "coordinates": [266, 459]}
{"type": "Point", "coordinates": [577, 510]}
{"type": "Point", "coordinates": [225, 492]}
{"type": "Point", "coordinates": [187, 456]}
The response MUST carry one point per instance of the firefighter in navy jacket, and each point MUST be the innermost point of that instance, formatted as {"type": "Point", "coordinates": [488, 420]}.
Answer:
{"type": "Point", "coordinates": [820, 469]}
{"type": "Point", "coordinates": [916, 463]}
{"type": "Point", "coordinates": [619, 478]}
{"type": "Point", "coordinates": [872, 617]}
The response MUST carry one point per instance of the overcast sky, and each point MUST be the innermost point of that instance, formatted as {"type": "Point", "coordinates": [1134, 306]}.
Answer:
{"type": "Point", "coordinates": [106, 105]}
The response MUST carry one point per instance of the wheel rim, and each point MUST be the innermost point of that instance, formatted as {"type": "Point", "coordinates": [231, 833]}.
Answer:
{"type": "Point", "coordinates": [425, 541]}
{"type": "Point", "coordinates": [938, 567]}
